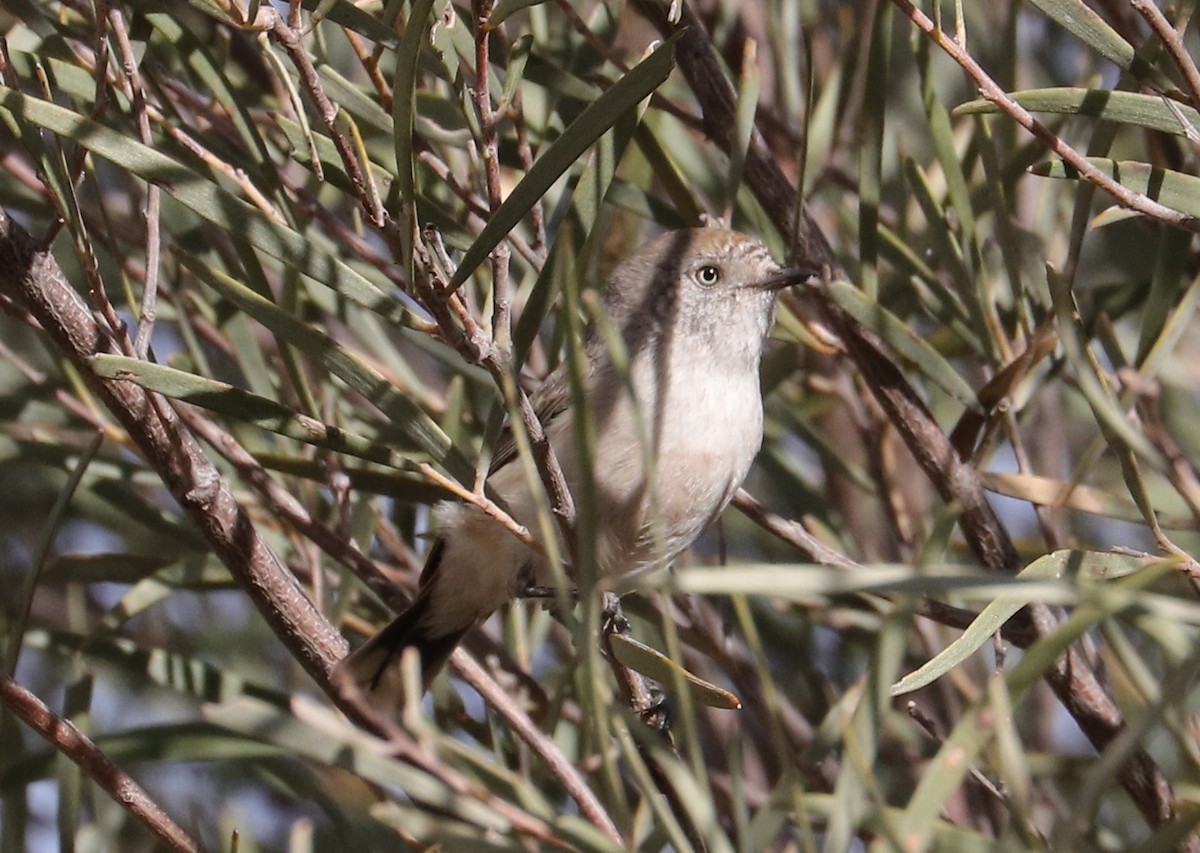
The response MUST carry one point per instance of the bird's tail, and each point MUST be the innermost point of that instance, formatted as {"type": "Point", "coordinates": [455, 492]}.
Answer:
{"type": "Point", "coordinates": [374, 667]}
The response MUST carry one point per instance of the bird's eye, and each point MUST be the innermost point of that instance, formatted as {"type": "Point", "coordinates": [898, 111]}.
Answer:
{"type": "Point", "coordinates": [708, 275]}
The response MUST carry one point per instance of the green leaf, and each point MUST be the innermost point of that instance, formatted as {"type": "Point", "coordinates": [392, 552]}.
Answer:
{"type": "Point", "coordinates": [1153, 112]}
{"type": "Point", "coordinates": [801, 582]}
{"type": "Point", "coordinates": [897, 334]}
{"type": "Point", "coordinates": [309, 254]}
{"type": "Point", "coordinates": [405, 416]}
{"type": "Point", "coordinates": [185, 674]}
{"type": "Point", "coordinates": [504, 8]}
{"type": "Point", "coordinates": [591, 124]}
{"type": "Point", "coordinates": [1093, 383]}
{"type": "Point", "coordinates": [654, 664]}
{"type": "Point", "coordinates": [331, 161]}
{"type": "Point", "coordinates": [1077, 18]}
{"type": "Point", "coordinates": [195, 572]}
{"type": "Point", "coordinates": [348, 15]}
{"type": "Point", "coordinates": [323, 738]}
{"type": "Point", "coordinates": [1047, 491]}
{"type": "Point", "coordinates": [212, 79]}
{"type": "Point", "coordinates": [351, 96]}
{"type": "Point", "coordinates": [1174, 189]}
{"type": "Point", "coordinates": [404, 96]}
{"type": "Point", "coordinates": [941, 777]}
{"type": "Point", "coordinates": [992, 618]}
{"type": "Point", "coordinates": [245, 406]}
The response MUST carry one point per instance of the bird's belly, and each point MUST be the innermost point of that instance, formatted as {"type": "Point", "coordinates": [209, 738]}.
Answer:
{"type": "Point", "coordinates": [659, 477]}
{"type": "Point", "coordinates": [656, 500]}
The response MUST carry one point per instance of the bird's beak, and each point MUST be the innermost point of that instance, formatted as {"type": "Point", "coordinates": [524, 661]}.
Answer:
{"type": "Point", "coordinates": [788, 276]}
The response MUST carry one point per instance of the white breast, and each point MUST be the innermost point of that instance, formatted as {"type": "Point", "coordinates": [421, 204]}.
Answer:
{"type": "Point", "coordinates": [701, 443]}
{"type": "Point", "coordinates": [661, 473]}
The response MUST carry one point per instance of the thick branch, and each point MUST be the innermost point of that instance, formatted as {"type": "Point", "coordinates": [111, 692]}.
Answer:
{"type": "Point", "coordinates": [79, 748]}
{"type": "Point", "coordinates": [32, 278]}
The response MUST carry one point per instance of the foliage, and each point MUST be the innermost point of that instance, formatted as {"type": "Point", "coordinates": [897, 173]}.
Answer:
{"type": "Point", "coordinates": [275, 203]}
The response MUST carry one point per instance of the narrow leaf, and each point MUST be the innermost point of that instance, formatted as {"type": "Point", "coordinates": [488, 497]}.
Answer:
{"type": "Point", "coordinates": [245, 406]}
{"type": "Point", "coordinates": [405, 415]}
{"type": "Point", "coordinates": [1153, 112]}
{"type": "Point", "coordinates": [1174, 189]}
{"type": "Point", "coordinates": [992, 618]}
{"type": "Point", "coordinates": [654, 664]}
{"type": "Point", "coordinates": [904, 340]}
{"type": "Point", "coordinates": [308, 254]}
{"type": "Point", "coordinates": [591, 124]}
{"type": "Point", "coordinates": [1077, 18]}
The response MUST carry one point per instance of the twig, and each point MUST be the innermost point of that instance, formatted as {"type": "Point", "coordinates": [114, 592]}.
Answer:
{"type": "Point", "coordinates": [1071, 677]}
{"type": "Point", "coordinates": [100, 104]}
{"type": "Point", "coordinates": [999, 795]}
{"type": "Point", "coordinates": [479, 211]}
{"type": "Point", "coordinates": [236, 174]}
{"type": "Point", "coordinates": [33, 277]}
{"type": "Point", "coordinates": [370, 64]}
{"type": "Point", "coordinates": [400, 744]}
{"type": "Point", "coordinates": [344, 234]}
{"type": "Point", "coordinates": [79, 748]}
{"type": "Point", "coordinates": [129, 66]}
{"type": "Point", "coordinates": [98, 64]}
{"type": "Point", "coordinates": [990, 91]}
{"type": "Point", "coordinates": [792, 532]}
{"type": "Point", "coordinates": [594, 41]}
{"type": "Point", "coordinates": [694, 55]}
{"type": "Point", "coordinates": [646, 701]}
{"type": "Point", "coordinates": [360, 178]}
{"type": "Point", "coordinates": [542, 745]}
{"type": "Point", "coordinates": [537, 216]}
{"type": "Point", "coordinates": [479, 349]}
{"type": "Point", "coordinates": [284, 505]}
{"type": "Point", "coordinates": [1174, 42]}
{"type": "Point", "coordinates": [780, 723]}
{"type": "Point", "coordinates": [489, 150]}
{"type": "Point", "coordinates": [485, 504]}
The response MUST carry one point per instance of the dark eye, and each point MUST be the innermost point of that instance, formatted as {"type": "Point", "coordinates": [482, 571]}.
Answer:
{"type": "Point", "coordinates": [708, 275]}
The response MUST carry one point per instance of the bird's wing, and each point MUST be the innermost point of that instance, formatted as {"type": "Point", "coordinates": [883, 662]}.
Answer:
{"type": "Point", "coordinates": [549, 401]}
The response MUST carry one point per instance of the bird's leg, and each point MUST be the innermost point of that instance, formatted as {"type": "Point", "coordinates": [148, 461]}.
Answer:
{"type": "Point", "coordinates": [614, 621]}
{"type": "Point", "coordinates": [647, 699]}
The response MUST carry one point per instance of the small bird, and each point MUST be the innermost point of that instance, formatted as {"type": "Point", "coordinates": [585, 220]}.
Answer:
{"type": "Point", "coordinates": [676, 431]}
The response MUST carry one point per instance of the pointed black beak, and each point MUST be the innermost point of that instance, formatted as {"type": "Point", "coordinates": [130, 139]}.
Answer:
{"type": "Point", "coordinates": [790, 275]}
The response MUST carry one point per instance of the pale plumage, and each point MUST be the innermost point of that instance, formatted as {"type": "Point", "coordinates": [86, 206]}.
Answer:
{"type": "Point", "coordinates": [674, 439]}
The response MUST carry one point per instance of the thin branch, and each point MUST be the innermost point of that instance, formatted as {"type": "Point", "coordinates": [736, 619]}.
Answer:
{"type": "Point", "coordinates": [534, 255]}
{"type": "Point", "coordinates": [360, 177]}
{"type": "Point", "coordinates": [34, 278]}
{"type": "Point", "coordinates": [80, 749]}
{"type": "Point", "coordinates": [792, 532]}
{"type": "Point", "coordinates": [489, 150]}
{"type": "Point", "coordinates": [523, 727]}
{"type": "Point", "coordinates": [537, 215]}
{"type": "Point", "coordinates": [129, 66]}
{"type": "Point", "coordinates": [370, 64]}
{"type": "Point", "coordinates": [477, 348]}
{"type": "Point", "coordinates": [284, 506]}
{"type": "Point", "coordinates": [990, 91]}
{"type": "Point", "coordinates": [1173, 39]}
{"type": "Point", "coordinates": [646, 702]}
{"type": "Point", "coordinates": [694, 55]}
